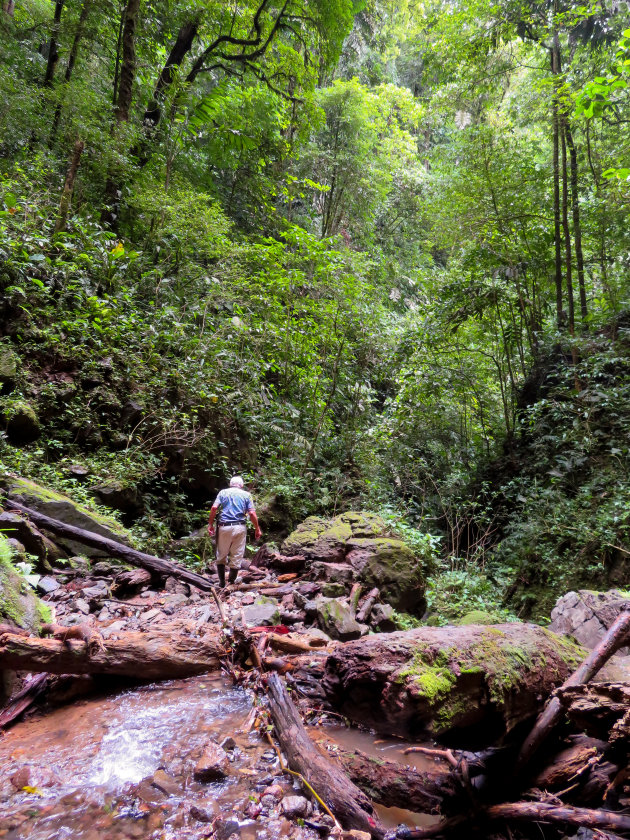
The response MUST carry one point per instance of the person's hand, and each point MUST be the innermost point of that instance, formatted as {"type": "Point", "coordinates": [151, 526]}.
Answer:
{"type": "Point", "coordinates": [211, 530]}
{"type": "Point", "coordinates": [257, 534]}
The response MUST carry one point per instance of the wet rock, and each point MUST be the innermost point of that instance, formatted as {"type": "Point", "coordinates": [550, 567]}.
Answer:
{"type": "Point", "coordinates": [336, 618]}
{"type": "Point", "coordinates": [228, 744]}
{"type": "Point", "coordinates": [21, 778]}
{"type": "Point", "coordinates": [214, 763]}
{"type": "Point", "coordinates": [274, 790]}
{"type": "Point", "coordinates": [47, 584]}
{"type": "Point", "coordinates": [294, 807]}
{"type": "Point", "coordinates": [8, 365]}
{"type": "Point", "coordinates": [19, 605]}
{"type": "Point", "coordinates": [334, 590]}
{"type": "Point", "coordinates": [97, 591]}
{"type": "Point", "coordinates": [166, 783]}
{"type": "Point", "coordinates": [354, 834]}
{"type": "Point", "coordinates": [58, 506]}
{"type": "Point", "coordinates": [484, 680]}
{"type": "Point", "coordinates": [225, 828]}
{"type": "Point", "coordinates": [253, 810]}
{"type": "Point", "coordinates": [247, 599]}
{"type": "Point", "coordinates": [204, 815]}
{"type": "Point", "coordinates": [587, 615]}
{"type": "Point", "coordinates": [261, 613]}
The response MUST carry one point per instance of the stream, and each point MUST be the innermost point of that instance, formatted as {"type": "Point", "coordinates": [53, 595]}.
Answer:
{"type": "Point", "coordinates": [121, 767]}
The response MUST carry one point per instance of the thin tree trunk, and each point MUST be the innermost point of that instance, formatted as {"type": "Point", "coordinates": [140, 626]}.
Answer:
{"type": "Point", "coordinates": [68, 189]}
{"type": "Point", "coordinates": [72, 57]}
{"type": "Point", "coordinates": [121, 24]}
{"type": "Point", "coordinates": [568, 257]}
{"type": "Point", "coordinates": [555, 69]}
{"type": "Point", "coordinates": [577, 226]}
{"type": "Point", "coordinates": [53, 55]}
{"type": "Point", "coordinates": [181, 48]}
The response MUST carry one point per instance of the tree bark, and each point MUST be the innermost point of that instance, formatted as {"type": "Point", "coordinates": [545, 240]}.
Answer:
{"type": "Point", "coordinates": [393, 784]}
{"type": "Point", "coordinates": [68, 189]}
{"type": "Point", "coordinates": [555, 69]}
{"type": "Point", "coordinates": [577, 226]}
{"type": "Point", "coordinates": [72, 57]}
{"type": "Point", "coordinates": [568, 257]}
{"type": "Point", "coordinates": [53, 54]}
{"type": "Point", "coordinates": [181, 48]}
{"type": "Point", "coordinates": [615, 638]}
{"type": "Point", "coordinates": [115, 549]}
{"type": "Point", "coordinates": [128, 64]}
{"type": "Point", "coordinates": [139, 655]}
{"type": "Point", "coordinates": [349, 805]}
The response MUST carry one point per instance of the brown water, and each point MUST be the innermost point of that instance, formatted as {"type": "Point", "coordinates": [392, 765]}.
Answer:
{"type": "Point", "coordinates": [91, 770]}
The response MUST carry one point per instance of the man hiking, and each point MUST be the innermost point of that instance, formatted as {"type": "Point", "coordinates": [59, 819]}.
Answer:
{"type": "Point", "coordinates": [234, 505]}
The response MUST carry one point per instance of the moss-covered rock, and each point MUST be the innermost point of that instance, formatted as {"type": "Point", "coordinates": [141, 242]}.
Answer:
{"type": "Point", "coordinates": [19, 605]}
{"type": "Point", "coordinates": [22, 422]}
{"type": "Point", "coordinates": [336, 618]}
{"type": "Point", "coordinates": [439, 680]}
{"type": "Point", "coordinates": [478, 617]}
{"type": "Point", "coordinates": [360, 542]}
{"type": "Point", "coordinates": [8, 364]}
{"type": "Point", "coordinates": [54, 504]}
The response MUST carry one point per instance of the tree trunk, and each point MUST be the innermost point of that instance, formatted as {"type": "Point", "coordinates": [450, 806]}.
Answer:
{"type": "Point", "coordinates": [577, 226]}
{"type": "Point", "coordinates": [53, 55]}
{"type": "Point", "coordinates": [615, 638]}
{"type": "Point", "coordinates": [349, 805]}
{"type": "Point", "coordinates": [68, 189]}
{"type": "Point", "coordinates": [72, 57]}
{"type": "Point", "coordinates": [115, 549]}
{"type": "Point", "coordinates": [393, 784]}
{"type": "Point", "coordinates": [149, 656]}
{"type": "Point", "coordinates": [128, 64]}
{"type": "Point", "coordinates": [568, 258]}
{"type": "Point", "coordinates": [181, 48]}
{"type": "Point", "coordinates": [555, 69]}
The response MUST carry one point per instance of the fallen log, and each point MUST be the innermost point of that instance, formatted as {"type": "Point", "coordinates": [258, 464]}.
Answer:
{"type": "Point", "coordinates": [29, 692]}
{"type": "Point", "coordinates": [544, 812]}
{"type": "Point", "coordinates": [615, 638]}
{"type": "Point", "coordinates": [391, 783]}
{"type": "Point", "coordinates": [155, 656]}
{"type": "Point", "coordinates": [602, 710]}
{"type": "Point", "coordinates": [580, 771]}
{"type": "Point", "coordinates": [115, 549]}
{"type": "Point", "coordinates": [366, 607]}
{"type": "Point", "coordinates": [349, 804]}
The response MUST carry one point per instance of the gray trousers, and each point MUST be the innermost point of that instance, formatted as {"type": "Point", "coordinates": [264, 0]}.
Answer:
{"type": "Point", "coordinates": [231, 545]}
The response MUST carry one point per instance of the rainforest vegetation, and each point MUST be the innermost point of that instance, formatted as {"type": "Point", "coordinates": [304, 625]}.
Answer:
{"type": "Point", "coordinates": [373, 254]}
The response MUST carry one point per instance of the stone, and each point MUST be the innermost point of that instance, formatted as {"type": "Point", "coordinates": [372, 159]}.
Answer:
{"type": "Point", "coordinates": [31, 538]}
{"type": "Point", "coordinates": [382, 618]}
{"type": "Point", "coordinates": [214, 764]}
{"type": "Point", "coordinates": [355, 546]}
{"type": "Point", "coordinates": [19, 605]}
{"type": "Point", "coordinates": [481, 681]}
{"type": "Point", "coordinates": [261, 614]}
{"type": "Point", "coordinates": [22, 422]}
{"type": "Point", "coordinates": [47, 584]}
{"type": "Point", "coordinates": [225, 828]}
{"type": "Point", "coordinates": [587, 615]}
{"type": "Point", "coordinates": [336, 618]}
{"type": "Point", "coordinates": [177, 599]}
{"type": "Point", "coordinates": [166, 783]}
{"type": "Point", "coordinates": [294, 807]}
{"type": "Point", "coordinates": [355, 834]}
{"type": "Point", "coordinates": [82, 606]}
{"type": "Point", "coordinates": [21, 778]}
{"type": "Point", "coordinates": [204, 815]}
{"type": "Point", "coordinates": [123, 497]}
{"type": "Point", "coordinates": [228, 743]}
{"type": "Point", "coordinates": [98, 591]}
{"type": "Point", "coordinates": [47, 501]}
{"type": "Point", "coordinates": [8, 364]}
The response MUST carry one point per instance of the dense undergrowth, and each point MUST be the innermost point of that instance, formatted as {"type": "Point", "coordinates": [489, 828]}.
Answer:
{"type": "Point", "coordinates": [346, 267]}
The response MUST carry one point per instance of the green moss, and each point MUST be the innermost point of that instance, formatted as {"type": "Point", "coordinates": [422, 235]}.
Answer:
{"type": "Point", "coordinates": [11, 605]}
{"type": "Point", "coordinates": [44, 613]}
{"type": "Point", "coordinates": [477, 617]}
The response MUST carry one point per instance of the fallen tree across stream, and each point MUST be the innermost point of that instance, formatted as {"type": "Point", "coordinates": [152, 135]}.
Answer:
{"type": "Point", "coordinates": [146, 656]}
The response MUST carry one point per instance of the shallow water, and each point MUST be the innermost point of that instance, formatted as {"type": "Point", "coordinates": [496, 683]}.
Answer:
{"type": "Point", "coordinates": [88, 770]}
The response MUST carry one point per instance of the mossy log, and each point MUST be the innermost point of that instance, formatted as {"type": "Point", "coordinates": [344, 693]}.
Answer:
{"type": "Point", "coordinates": [349, 804]}
{"type": "Point", "coordinates": [115, 549]}
{"type": "Point", "coordinates": [151, 656]}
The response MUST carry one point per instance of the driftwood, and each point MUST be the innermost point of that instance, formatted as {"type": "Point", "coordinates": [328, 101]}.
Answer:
{"type": "Point", "coordinates": [115, 549]}
{"type": "Point", "coordinates": [581, 772]}
{"type": "Point", "coordinates": [349, 804]}
{"type": "Point", "coordinates": [140, 655]}
{"type": "Point", "coordinates": [30, 691]}
{"type": "Point", "coordinates": [615, 638]}
{"type": "Point", "coordinates": [391, 783]}
{"type": "Point", "coordinates": [601, 710]}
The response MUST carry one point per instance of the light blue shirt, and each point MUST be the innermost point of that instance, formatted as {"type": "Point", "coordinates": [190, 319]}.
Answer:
{"type": "Point", "coordinates": [234, 503]}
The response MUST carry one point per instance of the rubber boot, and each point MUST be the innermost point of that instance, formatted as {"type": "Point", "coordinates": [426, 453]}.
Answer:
{"type": "Point", "coordinates": [233, 574]}
{"type": "Point", "coordinates": [221, 571]}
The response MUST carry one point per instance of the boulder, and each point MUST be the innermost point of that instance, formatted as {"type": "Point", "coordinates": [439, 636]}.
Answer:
{"type": "Point", "coordinates": [118, 496]}
{"type": "Point", "coordinates": [382, 618]}
{"type": "Point", "coordinates": [587, 615]}
{"type": "Point", "coordinates": [58, 506]}
{"type": "Point", "coordinates": [214, 764]}
{"type": "Point", "coordinates": [356, 547]}
{"type": "Point", "coordinates": [336, 619]}
{"type": "Point", "coordinates": [22, 422]}
{"type": "Point", "coordinates": [476, 681]}
{"type": "Point", "coordinates": [8, 365]}
{"type": "Point", "coordinates": [18, 603]}
{"type": "Point", "coordinates": [264, 611]}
